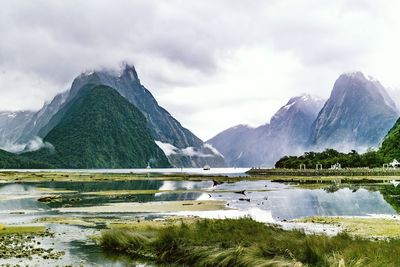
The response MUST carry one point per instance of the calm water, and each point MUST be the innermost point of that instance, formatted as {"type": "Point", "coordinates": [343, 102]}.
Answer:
{"type": "Point", "coordinates": [18, 205]}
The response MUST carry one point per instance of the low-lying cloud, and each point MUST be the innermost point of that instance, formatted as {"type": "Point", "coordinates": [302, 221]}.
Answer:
{"type": "Point", "coordinates": [34, 144]}
{"type": "Point", "coordinates": [37, 143]}
{"type": "Point", "coordinates": [208, 151]}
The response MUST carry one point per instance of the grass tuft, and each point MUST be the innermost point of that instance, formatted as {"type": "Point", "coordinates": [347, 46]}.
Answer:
{"type": "Point", "coordinates": [245, 242]}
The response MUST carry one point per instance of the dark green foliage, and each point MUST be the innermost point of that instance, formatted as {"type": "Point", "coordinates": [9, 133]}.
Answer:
{"type": "Point", "coordinates": [245, 242]}
{"type": "Point", "coordinates": [329, 157]}
{"type": "Point", "coordinates": [12, 161]}
{"type": "Point", "coordinates": [390, 148]}
{"type": "Point", "coordinates": [100, 129]}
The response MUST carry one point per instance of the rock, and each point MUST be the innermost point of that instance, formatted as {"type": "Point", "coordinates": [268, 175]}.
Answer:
{"type": "Point", "coordinates": [216, 182]}
{"type": "Point", "coordinates": [50, 198]}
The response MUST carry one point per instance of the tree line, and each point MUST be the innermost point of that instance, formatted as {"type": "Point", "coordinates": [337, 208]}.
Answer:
{"type": "Point", "coordinates": [329, 157]}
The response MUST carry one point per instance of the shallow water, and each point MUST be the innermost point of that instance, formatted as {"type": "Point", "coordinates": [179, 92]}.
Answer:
{"type": "Point", "coordinates": [269, 201]}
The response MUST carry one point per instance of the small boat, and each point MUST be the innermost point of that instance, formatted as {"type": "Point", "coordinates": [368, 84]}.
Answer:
{"type": "Point", "coordinates": [206, 168]}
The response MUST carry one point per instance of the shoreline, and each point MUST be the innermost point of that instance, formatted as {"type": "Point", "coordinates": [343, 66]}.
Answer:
{"type": "Point", "coordinates": [357, 172]}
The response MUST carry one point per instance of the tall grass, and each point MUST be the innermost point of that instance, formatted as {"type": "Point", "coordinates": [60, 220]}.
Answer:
{"type": "Point", "coordinates": [245, 242]}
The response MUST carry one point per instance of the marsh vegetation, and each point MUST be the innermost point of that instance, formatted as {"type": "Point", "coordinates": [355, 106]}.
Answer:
{"type": "Point", "coordinates": [245, 242]}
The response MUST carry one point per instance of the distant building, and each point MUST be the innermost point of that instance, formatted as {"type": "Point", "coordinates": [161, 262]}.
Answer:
{"type": "Point", "coordinates": [336, 166]}
{"type": "Point", "coordinates": [394, 164]}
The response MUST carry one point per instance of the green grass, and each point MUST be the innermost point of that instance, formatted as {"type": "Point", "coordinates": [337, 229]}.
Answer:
{"type": "Point", "coordinates": [245, 242]}
{"type": "Point", "coordinates": [21, 229]}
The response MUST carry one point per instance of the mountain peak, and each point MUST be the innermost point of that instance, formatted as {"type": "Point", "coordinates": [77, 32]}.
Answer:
{"type": "Point", "coordinates": [304, 98]}
{"type": "Point", "coordinates": [303, 101]}
{"type": "Point", "coordinates": [358, 75]}
{"type": "Point", "coordinates": [359, 85]}
{"type": "Point", "coordinates": [128, 70]}
{"type": "Point", "coordinates": [354, 74]}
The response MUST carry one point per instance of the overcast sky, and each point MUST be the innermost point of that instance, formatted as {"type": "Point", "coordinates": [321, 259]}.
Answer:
{"type": "Point", "coordinates": [211, 64]}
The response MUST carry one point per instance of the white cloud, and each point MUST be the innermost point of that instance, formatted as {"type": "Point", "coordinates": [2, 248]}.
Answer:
{"type": "Point", "coordinates": [190, 151]}
{"type": "Point", "coordinates": [37, 143]}
{"type": "Point", "coordinates": [212, 64]}
{"type": "Point", "coordinates": [167, 148]}
{"type": "Point", "coordinates": [213, 149]}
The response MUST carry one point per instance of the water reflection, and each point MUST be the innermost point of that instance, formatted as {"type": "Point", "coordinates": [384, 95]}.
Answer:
{"type": "Point", "coordinates": [296, 203]}
{"type": "Point", "coordinates": [284, 201]}
{"type": "Point", "coordinates": [185, 185]}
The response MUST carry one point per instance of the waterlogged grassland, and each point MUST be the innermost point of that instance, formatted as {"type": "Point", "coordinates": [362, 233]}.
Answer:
{"type": "Point", "coordinates": [361, 226]}
{"type": "Point", "coordinates": [54, 191]}
{"type": "Point", "coordinates": [244, 242]}
{"type": "Point", "coordinates": [13, 176]}
{"type": "Point", "coordinates": [22, 242]}
{"type": "Point", "coordinates": [21, 229]}
{"type": "Point", "coordinates": [35, 177]}
{"type": "Point", "coordinates": [66, 220]}
{"type": "Point", "coordinates": [150, 207]}
{"type": "Point", "coordinates": [10, 176]}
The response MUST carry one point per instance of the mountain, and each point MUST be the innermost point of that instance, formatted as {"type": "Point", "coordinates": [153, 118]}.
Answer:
{"type": "Point", "coordinates": [357, 115]}
{"type": "Point", "coordinates": [287, 133]}
{"type": "Point", "coordinates": [12, 161]}
{"type": "Point", "coordinates": [12, 125]}
{"type": "Point", "coordinates": [233, 143]}
{"type": "Point", "coordinates": [188, 150]}
{"type": "Point", "coordinates": [99, 128]}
